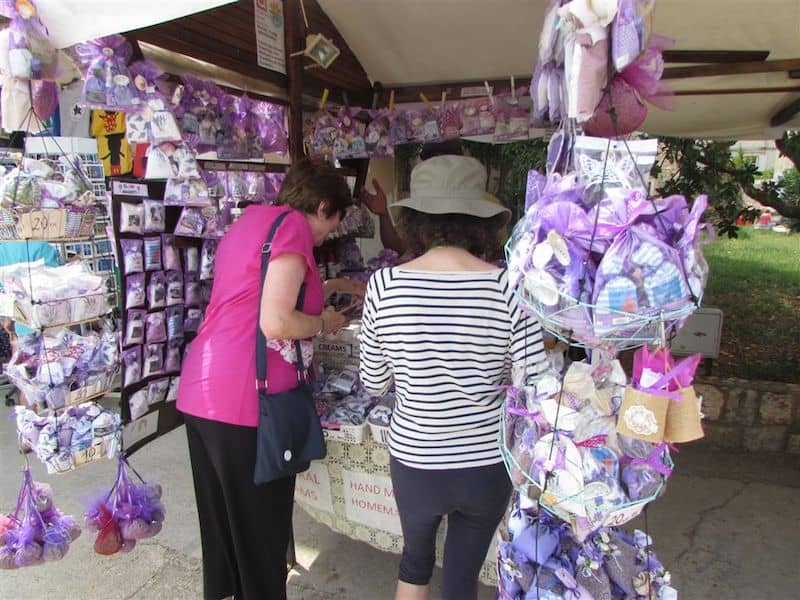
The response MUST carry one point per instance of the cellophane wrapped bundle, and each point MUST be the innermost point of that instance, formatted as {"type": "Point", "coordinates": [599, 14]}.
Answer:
{"type": "Point", "coordinates": [561, 437]}
{"type": "Point", "coordinates": [596, 260]}
{"type": "Point", "coordinates": [128, 513]}
{"type": "Point", "coordinates": [58, 438]}
{"type": "Point", "coordinates": [46, 367]}
{"type": "Point", "coordinates": [108, 84]}
{"type": "Point", "coordinates": [36, 532]}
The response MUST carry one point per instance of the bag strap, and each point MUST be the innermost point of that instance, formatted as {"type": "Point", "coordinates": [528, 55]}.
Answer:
{"type": "Point", "coordinates": [261, 340]}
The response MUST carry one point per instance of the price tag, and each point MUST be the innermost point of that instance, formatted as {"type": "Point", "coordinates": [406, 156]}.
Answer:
{"type": "Point", "coordinates": [90, 454]}
{"type": "Point", "coordinates": [44, 224]}
{"type": "Point", "coordinates": [622, 516]}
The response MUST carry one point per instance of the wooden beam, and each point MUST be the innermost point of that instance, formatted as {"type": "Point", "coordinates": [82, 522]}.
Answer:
{"type": "Point", "coordinates": [295, 41]}
{"type": "Point", "coordinates": [175, 42]}
{"type": "Point", "coordinates": [743, 68]}
{"type": "Point", "coordinates": [136, 53]}
{"type": "Point", "coordinates": [411, 93]}
{"type": "Point", "coordinates": [732, 91]}
{"type": "Point", "coordinates": [786, 114]}
{"type": "Point", "coordinates": [715, 56]}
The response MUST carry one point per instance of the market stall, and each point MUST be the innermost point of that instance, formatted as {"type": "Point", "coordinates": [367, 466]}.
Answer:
{"type": "Point", "coordinates": [165, 226]}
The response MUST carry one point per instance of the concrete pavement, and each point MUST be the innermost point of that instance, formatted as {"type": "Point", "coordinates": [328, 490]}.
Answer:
{"type": "Point", "coordinates": [728, 528]}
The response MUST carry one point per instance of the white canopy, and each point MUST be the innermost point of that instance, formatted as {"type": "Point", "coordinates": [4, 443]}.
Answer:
{"type": "Point", "coordinates": [73, 21]}
{"type": "Point", "coordinates": [435, 41]}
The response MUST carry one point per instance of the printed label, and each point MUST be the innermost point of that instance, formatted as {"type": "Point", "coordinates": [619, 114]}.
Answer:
{"type": "Point", "coordinates": [369, 500]}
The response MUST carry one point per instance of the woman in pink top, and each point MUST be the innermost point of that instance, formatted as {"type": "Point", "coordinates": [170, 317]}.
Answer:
{"type": "Point", "coordinates": [245, 528]}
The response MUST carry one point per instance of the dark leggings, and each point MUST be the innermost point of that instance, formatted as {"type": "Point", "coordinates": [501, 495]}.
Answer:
{"type": "Point", "coordinates": [474, 501]}
{"type": "Point", "coordinates": [244, 528]}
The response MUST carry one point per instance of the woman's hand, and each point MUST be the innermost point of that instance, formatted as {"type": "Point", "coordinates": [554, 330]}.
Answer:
{"type": "Point", "coordinates": [332, 320]}
{"type": "Point", "coordinates": [342, 285]}
{"type": "Point", "coordinates": [376, 202]}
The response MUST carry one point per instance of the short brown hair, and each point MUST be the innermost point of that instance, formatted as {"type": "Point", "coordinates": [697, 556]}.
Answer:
{"type": "Point", "coordinates": [309, 182]}
{"type": "Point", "coordinates": [478, 236]}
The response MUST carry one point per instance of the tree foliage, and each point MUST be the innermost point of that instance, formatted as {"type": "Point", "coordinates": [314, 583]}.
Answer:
{"type": "Point", "coordinates": [512, 161]}
{"type": "Point", "coordinates": [694, 167]}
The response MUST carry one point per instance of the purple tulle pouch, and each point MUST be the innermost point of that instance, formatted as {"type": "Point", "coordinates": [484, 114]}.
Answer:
{"type": "Point", "coordinates": [639, 276]}
{"type": "Point", "coordinates": [108, 84]}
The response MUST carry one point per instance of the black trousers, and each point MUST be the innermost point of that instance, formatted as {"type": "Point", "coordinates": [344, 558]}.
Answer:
{"type": "Point", "coordinates": [474, 501]}
{"type": "Point", "coordinates": [244, 528]}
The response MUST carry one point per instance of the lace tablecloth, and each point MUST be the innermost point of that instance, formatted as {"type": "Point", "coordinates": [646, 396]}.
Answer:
{"type": "Point", "coordinates": [351, 492]}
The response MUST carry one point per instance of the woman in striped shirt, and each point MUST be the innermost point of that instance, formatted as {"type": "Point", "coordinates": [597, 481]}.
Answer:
{"type": "Point", "coordinates": [445, 328]}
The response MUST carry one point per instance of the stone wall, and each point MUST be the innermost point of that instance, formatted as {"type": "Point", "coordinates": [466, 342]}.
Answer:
{"type": "Point", "coordinates": [755, 416]}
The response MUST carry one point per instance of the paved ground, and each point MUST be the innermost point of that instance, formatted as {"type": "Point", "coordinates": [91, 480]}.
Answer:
{"type": "Point", "coordinates": [728, 528]}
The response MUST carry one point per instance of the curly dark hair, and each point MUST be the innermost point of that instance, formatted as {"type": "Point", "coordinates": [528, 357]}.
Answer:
{"type": "Point", "coordinates": [309, 182]}
{"type": "Point", "coordinates": [478, 236]}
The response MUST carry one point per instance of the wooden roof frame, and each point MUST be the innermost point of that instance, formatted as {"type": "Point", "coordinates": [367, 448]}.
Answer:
{"type": "Point", "coordinates": [225, 36]}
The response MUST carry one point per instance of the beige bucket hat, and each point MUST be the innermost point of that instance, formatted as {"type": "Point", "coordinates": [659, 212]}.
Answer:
{"type": "Point", "coordinates": [450, 184]}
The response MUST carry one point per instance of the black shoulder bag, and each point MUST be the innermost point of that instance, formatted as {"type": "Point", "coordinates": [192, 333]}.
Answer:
{"type": "Point", "coordinates": [289, 432]}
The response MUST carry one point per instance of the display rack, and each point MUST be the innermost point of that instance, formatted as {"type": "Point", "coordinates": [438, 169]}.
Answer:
{"type": "Point", "coordinates": [96, 250]}
{"type": "Point", "coordinates": [161, 414]}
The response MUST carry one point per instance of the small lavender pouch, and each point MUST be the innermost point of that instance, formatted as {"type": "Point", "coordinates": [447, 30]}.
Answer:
{"type": "Point", "coordinates": [174, 322]}
{"type": "Point", "coordinates": [156, 327]}
{"type": "Point", "coordinates": [138, 404]}
{"type": "Point", "coordinates": [170, 253]}
{"type": "Point", "coordinates": [153, 360]}
{"type": "Point", "coordinates": [174, 288]}
{"type": "Point", "coordinates": [622, 567]}
{"type": "Point", "coordinates": [194, 317]}
{"type": "Point", "coordinates": [174, 384]}
{"type": "Point", "coordinates": [154, 216]}
{"type": "Point", "coordinates": [626, 43]}
{"type": "Point", "coordinates": [641, 480]}
{"type": "Point", "coordinates": [152, 254]}
{"type": "Point", "coordinates": [590, 574]}
{"type": "Point", "coordinates": [602, 491]}
{"type": "Point", "coordinates": [191, 258]}
{"type": "Point", "coordinates": [132, 361]}
{"type": "Point", "coordinates": [157, 290]}
{"type": "Point", "coordinates": [135, 294]}
{"type": "Point", "coordinates": [207, 259]}
{"type": "Point", "coordinates": [172, 364]}
{"type": "Point", "coordinates": [190, 223]}
{"type": "Point", "coordinates": [134, 332]}
{"type": "Point", "coordinates": [157, 391]}
{"type": "Point", "coordinates": [131, 218]}
{"type": "Point", "coordinates": [193, 290]}
{"type": "Point", "coordinates": [132, 260]}
{"type": "Point", "coordinates": [377, 135]}
{"type": "Point", "coordinates": [536, 543]}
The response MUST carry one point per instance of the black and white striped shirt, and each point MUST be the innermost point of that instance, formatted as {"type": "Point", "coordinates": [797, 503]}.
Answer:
{"type": "Point", "coordinates": [448, 340]}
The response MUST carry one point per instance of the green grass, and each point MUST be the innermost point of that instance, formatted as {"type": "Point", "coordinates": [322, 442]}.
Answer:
{"type": "Point", "coordinates": [755, 280]}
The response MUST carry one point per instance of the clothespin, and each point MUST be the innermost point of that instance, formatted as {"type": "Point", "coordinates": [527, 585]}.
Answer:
{"type": "Point", "coordinates": [513, 89]}
{"type": "Point", "coordinates": [324, 100]}
{"type": "Point", "coordinates": [391, 101]}
{"type": "Point", "coordinates": [489, 92]}
{"type": "Point", "coordinates": [427, 102]}
{"type": "Point", "coordinates": [444, 99]}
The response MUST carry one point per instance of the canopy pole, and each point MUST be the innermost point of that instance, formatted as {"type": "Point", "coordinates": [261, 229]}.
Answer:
{"type": "Point", "coordinates": [294, 37]}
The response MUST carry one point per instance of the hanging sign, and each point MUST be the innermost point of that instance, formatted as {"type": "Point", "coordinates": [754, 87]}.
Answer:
{"type": "Point", "coordinates": [270, 46]}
